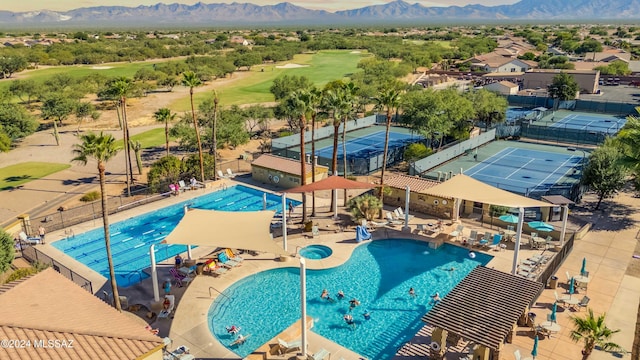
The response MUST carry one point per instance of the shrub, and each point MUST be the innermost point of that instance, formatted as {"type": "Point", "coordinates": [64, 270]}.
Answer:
{"type": "Point", "coordinates": [20, 273]}
{"type": "Point", "coordinates": [90, 196]}
{"type": "Point", "coordinates": [7, 250]}
{"type": "Point", "coordinates": [364, 207]}
{"type": "Point", "coordinates": [416, 151]}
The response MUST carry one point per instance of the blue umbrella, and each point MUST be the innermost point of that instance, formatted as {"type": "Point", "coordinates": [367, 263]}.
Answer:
{"type": "Point", "coordinates": [540, 226]}
{"type": "Point", "coordinates": [584, 266]}
{"type": "Point", "coordinates": [571, 287]}
{"type": "Point", "coordinates": [534, 351]}
{"type": "Point", "coordinates": [509, 218]}
{"type": "Point", "coordinates": [553, 312]}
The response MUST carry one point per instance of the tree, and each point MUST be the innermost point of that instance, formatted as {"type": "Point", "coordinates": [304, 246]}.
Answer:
{"type": "Point", "coordinates": [388, 100]}
{"type": "Point", "coordinates": [167, 170]}
{"type": "Point", "coordinates": [137, 149]}
{"type": "Point", "coordinates": [628, 141]}
{"type": "Point", "coordinates": [563, 86]}
{"type": "Point", "coordinates": [489, 107]}
{"type": "Point", "coordinates": [285, 85]}
{"type": "Point", "coordinates": [57, 108]}
{"type": "Point", "coordinates": [592, 331]}
{"type": "Point", "coordinates": [416, 151]}
{"type": "Point", "coordinates": [191, 80]}
{"type": "Point", "coordinates": [364, 207]}
{"type": "Point", "coordinates": [83, 110]}
{"type": "Point", "coordinates": [298, 103]}
{"type": "Point", "coordinates": [7, 251]}
{"type": "Point", "coordinates": [604, 173]}
{"type": "Point", "coordinates": [101, 148]}
{"type": "Point", "coordinates": [165, 116]}
{"type": "Point", "coordinates": [334, 102]}
{"type": "Point", "coordinates": [11, 65]}
{"type": "Point", "coordinates": [214, 135]}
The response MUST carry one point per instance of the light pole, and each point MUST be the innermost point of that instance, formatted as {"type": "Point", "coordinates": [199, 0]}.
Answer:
{"type": "Point", "coordinates": [584, 156]}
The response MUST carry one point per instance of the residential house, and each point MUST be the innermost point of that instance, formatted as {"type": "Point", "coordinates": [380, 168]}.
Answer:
{"type": "Point", "coordinates": [495, 62]}
{"type": "Point", "coordinates": [51, 317]}
{"type": "Point", "coordinates": [608, 56]}
{"type": "Point", "coordinates": [541, 78]}
{"type": "Point", "coordinates": [503, 87]}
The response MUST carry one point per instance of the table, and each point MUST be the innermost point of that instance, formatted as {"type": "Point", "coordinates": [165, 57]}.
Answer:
{"type": "Point", "coordinates": [509, 234]}
{"type": "Point", "coordinates": [573, 301]}
{"type": "Point", "coordinates": [581, 279]}
{"type": "Point", "coordinates": [539, 242]}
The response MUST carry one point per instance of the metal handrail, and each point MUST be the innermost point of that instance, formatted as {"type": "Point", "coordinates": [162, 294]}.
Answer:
{"type": "Point", "coordinates": [218, 291]}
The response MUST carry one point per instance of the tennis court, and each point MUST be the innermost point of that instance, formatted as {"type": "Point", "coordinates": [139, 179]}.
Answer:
{"type": "Point", "coordinates": [515, 113]}
{"type": "Point", "coordinates": [524, 171]}
{"type": "Point", "coordinates": [369, 144]}
{"type": "Point", "coordinates": [596, 123]}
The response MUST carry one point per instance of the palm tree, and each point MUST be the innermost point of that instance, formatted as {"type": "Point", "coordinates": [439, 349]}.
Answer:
{"type": "Point", "coordinates": [628, 140]}
{"type": "Point", "coordinates": [102, 148]}
{"type": "Point", "coordinates": [335, 104]}
{"type": "Point", "coordinates": [389, 100]}
{"type": "Point", "coordinates": [214, 138]}
{"type": "Point", "coordinates": [593, 332]}
{"type": "Point", "coordinates": [315, 101]}
{"type": "Point", "coordinates": [121, 88]}
{"type": "Point", "coordinates": [190, 79]}
{"type": "Point", "coordinates": [297, 103]}
{"type": "Point", "coordinates": [164, 115]}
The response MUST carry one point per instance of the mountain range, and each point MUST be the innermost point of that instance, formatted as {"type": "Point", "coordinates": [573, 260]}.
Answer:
{"type": "Point", "coordinates": [399, 11]}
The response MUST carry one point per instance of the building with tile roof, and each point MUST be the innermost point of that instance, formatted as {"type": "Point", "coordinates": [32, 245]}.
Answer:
{"type": "Point", "coordinates": [47, 316]}
{"type": "Point", "coordinates": [419, 199]}
{"type": "Point", "coordinates": [283, 172]}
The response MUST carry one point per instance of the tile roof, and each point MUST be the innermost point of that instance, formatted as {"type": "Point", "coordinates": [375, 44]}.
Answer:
{"type": "Point", "coordinates": [484, 306]}
{"type": "Point", "coordinates": [283, 164]}
{"type": "Point", "coordinates": [47, 306]}
{"type": "Point", "coordinates": [416, 184]}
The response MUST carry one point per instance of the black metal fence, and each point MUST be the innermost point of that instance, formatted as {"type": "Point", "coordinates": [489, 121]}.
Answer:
{"type": "Point", "coordinates": [556, 261]}
{"type": "Point", "coordinates": [33, 255]}
{"type": "Point", "coordinates": [563, 135]}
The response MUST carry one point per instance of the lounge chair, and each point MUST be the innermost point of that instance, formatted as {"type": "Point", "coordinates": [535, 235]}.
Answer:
{"type": "Point", "coordinates": [212, 268]}
{"type": "Point", "coordinates": [179, 278]}
{"type": "Point", "coordinates": [378, 223]}
{"type": "Point", "coordinates": [230, 173]}
{"type": "Point", "coordinates": [457, 232]}
{"type": "Point", "coordinates": [224, 260]}
{"type": "Point", "coordinates": [496, 244]}
{"type": "Point", "coordinates": [516, 355]}
{"type": "Point", "coordinates": [320, 355]}
{"type": "Point", "coordinates": [559, 300]}
{"type": "Point", "coordinates": [285, 347]}
{"type": "Point", "coordinates": [166, 312]}
{"type": "Point", "coordinates": [233, 256]}
{"type": "Point", "coordinates": [183, 186]}
{"type": "Point", "coordinates": [392, 220]}
{"type": "Point", "coordinates": [221, 175]}
{"type": "Point", "coordinates": [401, 214]}
{"type": "Point", "coordinates": [29, 239]}
{"type": "Point", "coordinates": [315, 231]}
{"type": "Point", "coordinates": [485, 239]}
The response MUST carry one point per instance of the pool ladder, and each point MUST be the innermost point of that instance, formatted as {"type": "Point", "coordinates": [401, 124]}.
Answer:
{"type": "Point", "coordinates": [297, 253]}
{"type": "Point", "coordinates": [218, 291]}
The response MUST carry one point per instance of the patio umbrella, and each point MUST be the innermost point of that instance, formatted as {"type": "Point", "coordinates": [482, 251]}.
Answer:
{"type": "Point", "coordinates": [553, 312]}
{"type": "Point", "coordinates": [534, 351]}
{"type": "Point", "coordinates": [540, 226]}
{"type": "Point", "coordinates": [571, 287]}
{"type": "Point", "coordinates": [584, 266]}
{"type": "Point", "coordinates": [508, 218]}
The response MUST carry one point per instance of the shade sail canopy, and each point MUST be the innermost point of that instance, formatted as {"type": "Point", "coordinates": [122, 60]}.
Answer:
{"type": "Point", "coordinates": [465, 187]}
{"type": "Point", "coordinates": [331, 183]}
{"type": "Point", "coordinates": [248, 230]}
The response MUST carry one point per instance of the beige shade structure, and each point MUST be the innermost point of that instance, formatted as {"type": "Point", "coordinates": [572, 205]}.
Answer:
{"type": "Point", "coordinates": [465, 187]}
{"type": "Point", "coordinates": [333, 182]}
{"type": "Point", "coordinates": [247, 230]}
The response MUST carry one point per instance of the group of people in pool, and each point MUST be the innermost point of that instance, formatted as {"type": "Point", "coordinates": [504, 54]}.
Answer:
{"type": "Point", "coordinates": [435, 298]}
{"type": "Point", "coordinates": [235, 331]}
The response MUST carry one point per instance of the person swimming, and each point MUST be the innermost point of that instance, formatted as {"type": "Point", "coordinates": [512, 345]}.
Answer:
{"type": "Point", "coordinates": [366, 315]}
{"type": "Point", "coordinates": [353, 303]}
{"type": "Point", "coordinates": [340, 295]}
{"type": "Point", "coordinates": [349, 320]}
{"type": "Point", "coordinates": [233, 329]}
{"type": "Point", "coordinates": [412, 292]}
{"type": "Point", "coordinates": [435, 298]}
{"type": "Point", "coordinates": [325, 294]}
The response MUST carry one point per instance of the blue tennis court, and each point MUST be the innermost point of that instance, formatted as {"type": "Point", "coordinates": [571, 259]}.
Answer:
{"type": "Point", "coordinates": [524, 170]}
{"type": "Point", "coordinates": [601, 123]}
{"type": "Point", "coordinates": [364, 146]}
{"type": "Point", "coordinates": [515, 113]}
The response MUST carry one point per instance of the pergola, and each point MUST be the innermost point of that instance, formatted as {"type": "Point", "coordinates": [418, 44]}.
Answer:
{"type": "Point", "coordinates": [484, 308]}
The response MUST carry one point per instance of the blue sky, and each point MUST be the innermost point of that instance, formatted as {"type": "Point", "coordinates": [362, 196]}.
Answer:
{"type": "Point", "coordinates": [331, 5]}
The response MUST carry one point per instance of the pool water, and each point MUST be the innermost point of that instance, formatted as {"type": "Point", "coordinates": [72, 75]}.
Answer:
{"type": "Point", "coordinates": [316, 252]}
{"type": "Point", "coordinates": [379, 274]}
{"type": "Point", "coordinates": [131, 238]}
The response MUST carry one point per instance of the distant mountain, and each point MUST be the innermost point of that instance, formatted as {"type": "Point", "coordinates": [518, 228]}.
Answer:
{"type": "Point", "coordinates": [240, 14]}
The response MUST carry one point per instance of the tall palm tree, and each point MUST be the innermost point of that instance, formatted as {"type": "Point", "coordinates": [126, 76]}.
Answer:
{"type": "Point", "coordinates": [592, 331]}
{"type": "Point", "coordinates": [389, 100]}
{"type": "Point", "coordinates": [297, 103]}
{"type": "Point", "coordinates": [315, 101]}
{"type": "Point", "coordinates": [335, 104]}
{"type": "Point", "coordinates": [122, 87]}
{"type": "Point", "coordinates": [101, 148]}
{"type": "Point", "coordinates": [191, 80]}
{"type": "Point", "coordinates": [164, 115]}
{"type": "Point", "coordinates": [214, 138]}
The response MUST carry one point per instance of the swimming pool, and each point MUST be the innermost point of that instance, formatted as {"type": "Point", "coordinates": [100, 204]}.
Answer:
{"type": "Point", "coordinates": [131, 238]}
{"type": "Point", "coordinates": [316, 252]}
{"type": "Point", "coordinates": [379, 274]}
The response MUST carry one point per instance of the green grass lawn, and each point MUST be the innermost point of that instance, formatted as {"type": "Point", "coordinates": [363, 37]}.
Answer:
{"type": "Point", "coordinates": [323, 66]}
{"type": "Point", "coordinates": [16, 175]}
{"type": "Point", "coordinates": [148, 139]}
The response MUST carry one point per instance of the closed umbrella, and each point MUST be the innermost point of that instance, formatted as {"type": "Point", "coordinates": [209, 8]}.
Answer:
{"type": "Point", "coordinates": [553, 312]}
{"type": "Point", "coordinates": [571, 287]}
{"type": "Point", "coordinates": [540, 226]}
{"type": "Point", "coordinates": [509, 218]}
{"type": "Point", "coordinates": [584, 266]}
{"type": "Point", "coordinates": [534, 351]}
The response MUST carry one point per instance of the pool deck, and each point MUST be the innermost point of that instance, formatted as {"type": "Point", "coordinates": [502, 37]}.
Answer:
{"type": "Point", "coordinates": [608, 248]}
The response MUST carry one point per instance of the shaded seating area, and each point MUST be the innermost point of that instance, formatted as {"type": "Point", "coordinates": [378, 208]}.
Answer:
{"type": "Point", "coordinates": [480, 311]}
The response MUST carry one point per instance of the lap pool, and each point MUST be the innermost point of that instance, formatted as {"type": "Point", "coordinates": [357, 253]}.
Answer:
{"type": "Point", "coordinates": [378, 274]}
{"type": "Point", "coordinates": [131, 238]}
